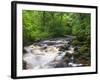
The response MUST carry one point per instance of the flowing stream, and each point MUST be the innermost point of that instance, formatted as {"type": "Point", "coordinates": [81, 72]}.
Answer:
{"type": "Point", "coordinates": [50, 54]}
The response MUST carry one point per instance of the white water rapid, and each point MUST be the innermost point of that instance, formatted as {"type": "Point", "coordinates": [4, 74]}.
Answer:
{"type": "Point", "coordinates": [47, 54]}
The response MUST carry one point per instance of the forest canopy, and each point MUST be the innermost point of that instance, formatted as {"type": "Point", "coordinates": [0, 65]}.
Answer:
{"type": "Point", "coordinates": [39, 25]}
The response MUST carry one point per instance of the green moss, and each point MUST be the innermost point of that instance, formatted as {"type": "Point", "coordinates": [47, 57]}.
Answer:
{"type": "Point", "coordinates": [83, 49]}
{"type": "Point", "coordinates": [75, 42]}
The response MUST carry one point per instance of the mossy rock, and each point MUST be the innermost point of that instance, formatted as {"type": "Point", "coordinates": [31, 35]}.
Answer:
{"type": "Point", "coordinates": [84, 49]}
{"type": "Point", "coordinates": [75, 42]}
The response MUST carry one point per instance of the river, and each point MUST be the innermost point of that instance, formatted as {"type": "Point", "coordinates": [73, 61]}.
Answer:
{"type": "Point", "coordinates": [52, 53]}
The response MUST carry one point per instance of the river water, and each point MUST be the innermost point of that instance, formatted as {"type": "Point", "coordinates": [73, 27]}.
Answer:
{"type": "Point", "coordinates": [50, 54]}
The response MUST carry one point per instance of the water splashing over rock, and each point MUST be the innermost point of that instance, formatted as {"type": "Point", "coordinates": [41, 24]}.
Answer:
{"type": "Point", "coordinates": [49, 54]}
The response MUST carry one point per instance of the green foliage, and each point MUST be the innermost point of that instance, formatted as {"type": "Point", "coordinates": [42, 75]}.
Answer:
{"type": "Point", "coordinates": [83, 49]}
{"type": "Point", "coordinates": [39, 25]}
{"type": "Point", "coordinates": [75, 42]}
